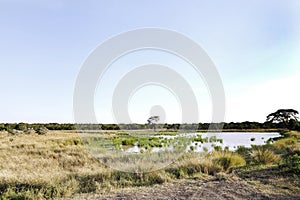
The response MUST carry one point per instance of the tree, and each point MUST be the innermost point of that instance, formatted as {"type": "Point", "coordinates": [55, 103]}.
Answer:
{"type": "Point", "coordinates": [21, 127]}
{"type": "Point", "coordinates": [2, 127]}
{"type": "Point", "coordinates": [284, 116]}
{"type": "Point", "coordinates": [152, 121]}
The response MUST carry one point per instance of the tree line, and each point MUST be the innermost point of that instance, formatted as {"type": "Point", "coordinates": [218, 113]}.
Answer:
{"type": "Point", "coordinates": [293, 125]}
{"type": "Point", "coordinates": [281, 119]}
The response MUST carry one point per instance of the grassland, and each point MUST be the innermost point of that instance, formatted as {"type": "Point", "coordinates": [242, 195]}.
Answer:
{"type": "Point", "coordinates": [58, 165]}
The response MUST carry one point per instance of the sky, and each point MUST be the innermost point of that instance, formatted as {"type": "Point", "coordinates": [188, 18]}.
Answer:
{"type": "Point", "coordinates": [254, 45]}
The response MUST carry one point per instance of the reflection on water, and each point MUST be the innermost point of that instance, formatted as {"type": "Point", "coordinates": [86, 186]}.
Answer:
{"type": "Point", "coordinates": [230, 140]}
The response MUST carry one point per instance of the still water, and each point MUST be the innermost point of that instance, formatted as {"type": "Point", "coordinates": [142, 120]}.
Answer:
{"type": "Point", "coordinates": [231, 140]}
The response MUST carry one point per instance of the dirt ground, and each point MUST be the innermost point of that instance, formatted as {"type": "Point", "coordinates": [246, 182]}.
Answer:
{"type": "Point", "coordinates": [260, 184]}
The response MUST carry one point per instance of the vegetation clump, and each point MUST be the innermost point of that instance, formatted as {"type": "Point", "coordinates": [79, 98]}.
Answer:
{"type": "Point", "coordinates": [42, 131]}
{"type": "Point", "coordinates": [227, 159]}
{"type": "Point", "coordinates": [264, 156]}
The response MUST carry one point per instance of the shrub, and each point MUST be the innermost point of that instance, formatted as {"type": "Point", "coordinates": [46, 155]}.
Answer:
{"type": "Point", "coordinates": [293, 164]}
{"type": "Point", "coordinates": [42, 131]}
{"type": "Point", "coordinates": [15, 132]}
{"type": "Point", "coordinates": [30, 131]}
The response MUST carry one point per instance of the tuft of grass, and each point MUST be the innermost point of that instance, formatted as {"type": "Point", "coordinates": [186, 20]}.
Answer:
{"type": "Point", "coordinates": [227, 160]}
{"type": "Point", "coordinates": [191, 165]}
{"type": "Point", "coordinates": [283, 143]}
{"type": "Point", "coordinates": [264, 156]}
{"type": "Point", "coordinates": [213, 139]}
{"type": "Point", "coordinates": [128, 142]}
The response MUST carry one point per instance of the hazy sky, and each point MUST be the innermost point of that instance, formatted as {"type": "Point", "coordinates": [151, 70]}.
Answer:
{"type": "Point", "coordinates": [254, 44]}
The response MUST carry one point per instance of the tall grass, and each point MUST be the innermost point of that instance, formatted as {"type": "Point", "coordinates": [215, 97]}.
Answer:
{"type": "Point", "coordinates": [264, 156]}
{"type": "Point", "coordinates": [57, 164]}
{"type": "Point", "coordinates": [226, 160]}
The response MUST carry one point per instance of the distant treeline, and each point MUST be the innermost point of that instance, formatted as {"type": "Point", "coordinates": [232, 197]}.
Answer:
{"type": "Point", "coordinates": [293, 125]}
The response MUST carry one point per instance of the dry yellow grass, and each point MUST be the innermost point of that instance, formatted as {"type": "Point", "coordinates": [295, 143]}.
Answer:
{"type": "Point", "coordinates": [43, 157]}
{"type": "Point", "coordinates": [57, 164]}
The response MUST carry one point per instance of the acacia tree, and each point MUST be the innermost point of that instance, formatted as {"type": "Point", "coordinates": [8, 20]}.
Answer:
{"type": "Point", "coordinates": [152, 121]}
{"type": "Point", "coordinates": [284, 116]}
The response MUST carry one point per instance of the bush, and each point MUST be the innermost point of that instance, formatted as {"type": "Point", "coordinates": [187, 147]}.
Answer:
{"type": "Point", "coordinates": [30, 131]}
{"type": "Point", "coordinates": [42, 131]}
{"type": "Point", "coordinates": [293, 164]}
{"type": "Point", "coordinates": [15, 132]}
{"type": "Point", "coordinates": [298, 127]}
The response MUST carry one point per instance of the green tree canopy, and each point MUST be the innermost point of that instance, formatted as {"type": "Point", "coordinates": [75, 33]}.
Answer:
{"type": "Point", "coordinates": [283, 116]}
{"type": "Point", "coordinates": [152, 121]}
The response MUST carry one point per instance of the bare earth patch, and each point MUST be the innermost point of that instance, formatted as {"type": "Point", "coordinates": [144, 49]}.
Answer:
{"type": "Point", "coordinates": [209, 188]}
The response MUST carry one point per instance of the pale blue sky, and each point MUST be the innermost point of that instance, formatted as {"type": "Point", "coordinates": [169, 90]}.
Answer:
{"type": "Point", "coordinates": [254, 44]}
